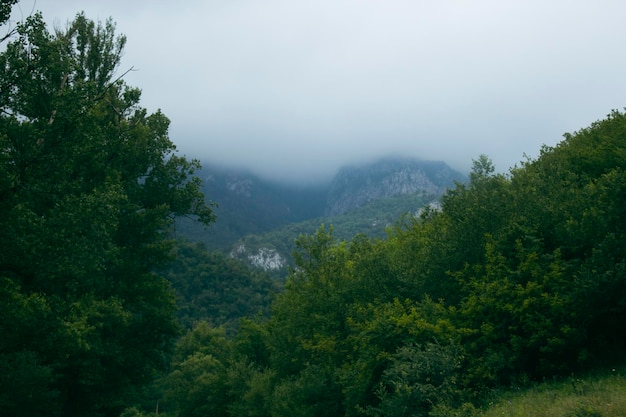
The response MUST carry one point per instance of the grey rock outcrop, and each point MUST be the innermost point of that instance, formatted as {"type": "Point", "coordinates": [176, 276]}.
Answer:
{"type": "Point", "coordinates": [355, 186]}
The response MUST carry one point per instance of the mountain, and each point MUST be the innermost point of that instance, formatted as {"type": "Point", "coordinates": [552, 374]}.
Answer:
{"type": "Point", "coordinates": [355, 186]}
{"type": "Point", "coordinates": [247, 204]}
{"type": "Point", "coordinates": [271, 251]}
{"type": "Point", "coordinates": [258, 220]}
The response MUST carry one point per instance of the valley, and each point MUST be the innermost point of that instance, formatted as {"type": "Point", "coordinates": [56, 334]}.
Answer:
{"type": "Point", "coordinates": [258, 220]}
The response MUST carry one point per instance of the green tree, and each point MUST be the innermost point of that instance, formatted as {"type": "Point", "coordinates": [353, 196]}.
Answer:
{"type": "Point", "coordinates": [334, 330]}
{"type": "Point", "coordinates": [89, 185]}
{"type": "Point", "coordinates": [216, 288]}
{"type": "Point", "coordinates": [379, 331]}
{"type": "Point", "coordinates": [481, 168]}
{"type": "Point", "coordinates": [472, 212]}
{"type": "Point", "coordinates": [197, 383]}
{"type": "Point", "coordinates": [5, 13]}
{"type": "Point", "coordinates": [418, 379]}
{"type": "Point", "coordinates": [573, 198]}
{"type": "Point", "coordinates": [545, 293]}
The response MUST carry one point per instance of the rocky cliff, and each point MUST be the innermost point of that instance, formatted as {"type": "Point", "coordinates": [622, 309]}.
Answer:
{"type": "Point", "coordinates": [355, 186]}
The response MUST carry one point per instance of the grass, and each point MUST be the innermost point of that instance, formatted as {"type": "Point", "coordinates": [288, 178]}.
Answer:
{"type": "Point", "coordinates": [593, 396]}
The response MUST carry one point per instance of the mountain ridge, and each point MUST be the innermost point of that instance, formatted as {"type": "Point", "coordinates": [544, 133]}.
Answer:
{"type": "Point", "coordinates": [357, 185]}
{"type": "Point", "coordinates": [249, 205]}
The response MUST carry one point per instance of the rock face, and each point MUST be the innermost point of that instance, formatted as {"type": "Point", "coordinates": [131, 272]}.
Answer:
{"type": "Point", "coordinates": [267, 259]}
{"type": "Point", "coordinates": [241, 187]}
{"type": "Point", "coordinates": [355, 186]}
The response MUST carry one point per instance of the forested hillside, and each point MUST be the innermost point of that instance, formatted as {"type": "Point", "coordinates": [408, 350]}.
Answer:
{"type": "Point", "coordinates": [247, 204]}
{"type": "Point", "coordinates": [212, 287]}
{"type": "Point", "coordinates": [251, 208]}
{"type": "Point", "coordinates": [372, 219]}
{"type": "Point", "coordinates": [516, 278]}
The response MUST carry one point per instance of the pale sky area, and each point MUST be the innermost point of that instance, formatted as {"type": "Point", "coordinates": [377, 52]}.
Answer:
{"type": "Point", "coordinates": [293, 89]}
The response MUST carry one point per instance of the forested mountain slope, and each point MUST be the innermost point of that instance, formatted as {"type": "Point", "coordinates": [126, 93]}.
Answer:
{"type": "Point", "coordinates": [249, 205]}
{"type": "Point", "coordinates": [517, 278]}
{"type": "Point", "coordinates": [211, 287]}
{"type": "Point", "coordinates": [272, 251]}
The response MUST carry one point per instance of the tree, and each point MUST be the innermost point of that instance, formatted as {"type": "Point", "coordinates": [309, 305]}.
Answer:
{"type": "Point", "coordinates": [196, 386]}
{"type": "Point", "coordinates": [419, 378]}
{"type": "Point", "coordinates": [481, 168]}
{"type": "Point", "coordinates": [89, 185]}
{"type": "Point", "coordinates": [5, 13]}
{"type": "Point", "coordinates": [547, 293]}
{"type": "Point", "coordinates": [457, 235]}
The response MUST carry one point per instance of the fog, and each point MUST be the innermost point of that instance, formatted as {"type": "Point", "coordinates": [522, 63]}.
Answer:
{"type": "Point", "coordinates": [293, 89]}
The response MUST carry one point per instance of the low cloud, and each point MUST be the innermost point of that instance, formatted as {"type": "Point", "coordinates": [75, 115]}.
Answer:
{"type": "Point", "coordinates": [293, 90]}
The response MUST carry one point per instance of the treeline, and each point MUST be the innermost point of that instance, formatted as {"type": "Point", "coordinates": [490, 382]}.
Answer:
{"type": "Point", "coordinates": [516, 278]}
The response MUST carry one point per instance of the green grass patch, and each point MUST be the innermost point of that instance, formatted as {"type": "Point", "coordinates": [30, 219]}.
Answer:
{"type": "Point", "coordinates": [592, 396]}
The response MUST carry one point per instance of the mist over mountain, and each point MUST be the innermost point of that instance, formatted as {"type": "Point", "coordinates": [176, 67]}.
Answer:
{"type": "Point", "coordinates": [250, 205]}
{"type": "Point", "coordinates": [354, 186]}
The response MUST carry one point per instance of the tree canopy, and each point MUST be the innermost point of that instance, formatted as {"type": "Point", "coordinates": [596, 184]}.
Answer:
{"type": "Point", "coordinates": [89, 185]}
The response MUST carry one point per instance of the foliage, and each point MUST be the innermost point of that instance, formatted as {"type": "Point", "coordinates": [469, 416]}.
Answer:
{"type": "Point", "coordinates": [5, 10]}
{"type": "Point", "coordinates": [211, 287]}
{"type": "Point", "coordinates": [540, 292]}
{"type": "Point", "coordinates": [196, 386]}
{"type": "Point", "coordinates": [418, 378]}
{"type": "Point", "coordinates": [89, 182]}
{"type": "Point", "coordinates": [516, 278]}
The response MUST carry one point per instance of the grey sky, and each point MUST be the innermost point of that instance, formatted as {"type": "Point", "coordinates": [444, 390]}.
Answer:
{"type": "Point", "coordinates": [292, 89]}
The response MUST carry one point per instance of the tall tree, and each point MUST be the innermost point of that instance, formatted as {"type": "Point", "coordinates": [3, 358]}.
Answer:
{"type": "Point", "coordinates": [89, 185]}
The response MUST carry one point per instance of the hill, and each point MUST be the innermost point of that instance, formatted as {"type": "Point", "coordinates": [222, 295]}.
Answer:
{"type": "Point", "coordinates": [247, 204]}
{"type": "Point", "coordinates": [360, 199]}
{"type": "Point", "coordinates": [272, 250]}
{"type": "Point", "coordinates": [355, 186]}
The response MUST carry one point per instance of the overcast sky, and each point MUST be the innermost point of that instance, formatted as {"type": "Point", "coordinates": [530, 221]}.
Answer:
{"type": "Point", "coordinates": [292, 89]}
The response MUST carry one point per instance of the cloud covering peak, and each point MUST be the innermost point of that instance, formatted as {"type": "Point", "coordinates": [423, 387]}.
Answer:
{"type": "Point", "coordinates": [293, 89]}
